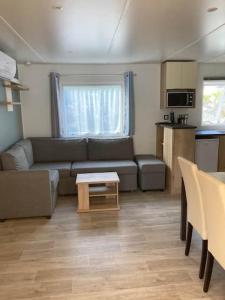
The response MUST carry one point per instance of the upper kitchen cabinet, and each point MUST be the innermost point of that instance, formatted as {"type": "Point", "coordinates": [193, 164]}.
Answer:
{"type": "Point", "coordinates": [177, 75]}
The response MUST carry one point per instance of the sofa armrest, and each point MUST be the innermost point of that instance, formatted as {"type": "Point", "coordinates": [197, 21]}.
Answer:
{"type": "Point", "coordinates": [25, 194]}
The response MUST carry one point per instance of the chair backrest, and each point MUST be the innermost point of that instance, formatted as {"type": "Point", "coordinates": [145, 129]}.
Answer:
{"type": "Point", "coordinates": [195, 209]}
{"type": "Point", "coordinates": [213, 193]}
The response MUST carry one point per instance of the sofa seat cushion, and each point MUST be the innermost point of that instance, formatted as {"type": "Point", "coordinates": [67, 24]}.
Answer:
{"type": "Point", "coordinates": [64, 168]}
{"type": "Point", "coordinates": [14, 159]}
{"type": "Point", "coordinates": [54, 179]}
{"type": "Point", "coordinates": [119, 166]}
{"type": "Point", "coordinates": [150, 164]}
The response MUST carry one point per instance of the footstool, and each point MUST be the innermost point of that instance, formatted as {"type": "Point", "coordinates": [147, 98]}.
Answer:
{"type": "Point", "coordinates": [151, 172]}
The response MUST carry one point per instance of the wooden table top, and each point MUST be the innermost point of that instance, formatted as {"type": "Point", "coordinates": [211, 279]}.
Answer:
{"type": "Point", "coordinates": [92, 178]}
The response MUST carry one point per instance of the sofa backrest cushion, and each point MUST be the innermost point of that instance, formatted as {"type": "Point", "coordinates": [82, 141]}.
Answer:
{"type": "Point", "coordinates": [110, 149]}
{"type": "Point", "coordinates": [14, 159]}
{"type": "Point", "coordinates": [27, 147]}
{"type": "Point", "coordinates": [58, 149]}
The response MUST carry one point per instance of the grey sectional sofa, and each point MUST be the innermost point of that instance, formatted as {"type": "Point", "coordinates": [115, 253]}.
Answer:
{"type": "Point", "coordinates": [73, 156]}
{"type": "Point", "coordinates": [35, 170]}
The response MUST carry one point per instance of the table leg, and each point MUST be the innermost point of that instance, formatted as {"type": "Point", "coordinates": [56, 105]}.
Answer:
{"type": "Point", "coordinates": [183, 221]}
{"type": "Point", "coordinates": [83, 197]}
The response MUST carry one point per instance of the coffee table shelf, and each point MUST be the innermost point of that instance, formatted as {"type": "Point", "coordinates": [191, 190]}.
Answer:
{"type": "Point", "coordinates": [102, 191]}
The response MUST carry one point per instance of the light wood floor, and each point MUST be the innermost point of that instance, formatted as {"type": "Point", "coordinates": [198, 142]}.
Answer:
{"type": "Point", "coordinates": [133, 254]}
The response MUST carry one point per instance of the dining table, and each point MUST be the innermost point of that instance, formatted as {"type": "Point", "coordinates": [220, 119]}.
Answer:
{"type": "Point", "coordinates": [183, 224]}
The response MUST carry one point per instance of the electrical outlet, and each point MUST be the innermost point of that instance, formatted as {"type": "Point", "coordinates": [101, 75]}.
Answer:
{"type": "Point", "coordinates": [166, 117]}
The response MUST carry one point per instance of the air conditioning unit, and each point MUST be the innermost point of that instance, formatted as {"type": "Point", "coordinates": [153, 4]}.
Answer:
{"type": "Point", "coordinates": [7, 67]}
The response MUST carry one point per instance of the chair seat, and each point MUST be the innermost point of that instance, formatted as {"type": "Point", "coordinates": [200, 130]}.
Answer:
{"type": "Point", "coordinates": [119, 166]}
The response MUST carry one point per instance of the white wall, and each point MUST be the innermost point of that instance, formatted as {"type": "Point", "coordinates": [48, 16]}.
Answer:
{"type": "Point", "coordinates": [36, 102]}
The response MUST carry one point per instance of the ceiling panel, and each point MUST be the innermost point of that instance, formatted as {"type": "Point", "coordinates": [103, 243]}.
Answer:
{"type": "Point", "coordinates": [155, 30]}
{"type": "Point", "coordinates": [208, 48]}
{"type": "Point", "coordinates": [82, 31]}
{"type": "Point", "coordinates": [112, 31]}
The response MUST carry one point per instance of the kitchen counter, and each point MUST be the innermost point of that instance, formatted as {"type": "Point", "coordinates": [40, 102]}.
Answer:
{"type": "Point", "coordinates": [208, 133]}
{"type": "Point", "coordinates": [175, 125]}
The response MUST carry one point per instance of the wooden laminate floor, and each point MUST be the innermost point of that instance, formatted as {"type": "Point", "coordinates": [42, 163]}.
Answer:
{"type": "Point", "coordinates": [133, 254]}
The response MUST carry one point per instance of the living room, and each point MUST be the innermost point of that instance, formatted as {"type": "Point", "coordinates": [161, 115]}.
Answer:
{"type": "Point", "coordinates": [112, 142]}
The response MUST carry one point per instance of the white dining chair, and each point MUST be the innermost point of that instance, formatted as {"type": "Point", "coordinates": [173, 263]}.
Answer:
{"type": "Point", "coordinates": [213, 193]}
{"type": "Point", "coordinates": [195, 211]}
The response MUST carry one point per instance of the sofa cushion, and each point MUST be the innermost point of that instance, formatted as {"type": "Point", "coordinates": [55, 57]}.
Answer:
{"type": "Point", "coordinates": [27, 147]}
{"type": "Point", "coordinates": [64, 168]}
{"type": "Point", "coordinates": [59, 150]}
{"type": "Point", "coordinates": [54, 179]}
{"type": "Point", "coordinates": [14, 159]}
{"type": "Point", "coordinates": [121, 167]}
{"type": "Point", "coordinates": [110, 149]}
{"type": "Point", "coordinates": [150, 164]}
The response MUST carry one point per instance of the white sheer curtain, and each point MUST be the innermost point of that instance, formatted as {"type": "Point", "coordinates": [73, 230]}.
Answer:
{"type": "Point", "coordinates": [93, 110]}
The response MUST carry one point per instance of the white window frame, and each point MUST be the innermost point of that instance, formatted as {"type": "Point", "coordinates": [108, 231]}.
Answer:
{"type": "Point", "coordinates": [205, 125]}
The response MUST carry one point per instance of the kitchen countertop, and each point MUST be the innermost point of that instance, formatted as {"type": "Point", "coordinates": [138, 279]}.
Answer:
{"type": "Point", "coordinates": [198, 133]}
{"type": "Point", "coordinates": [209, 133]}
{"type": "Point", "coordinates": [175, 125]}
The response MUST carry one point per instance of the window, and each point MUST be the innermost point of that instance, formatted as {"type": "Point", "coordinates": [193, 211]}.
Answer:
{"type": "Point", "coordinates": [213, 111]}
{"type": "Point", "coordinates": [93, 111]}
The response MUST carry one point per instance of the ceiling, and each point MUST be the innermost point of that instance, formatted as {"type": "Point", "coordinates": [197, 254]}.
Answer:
{"type": "Point", "coordinates": [112, 31]}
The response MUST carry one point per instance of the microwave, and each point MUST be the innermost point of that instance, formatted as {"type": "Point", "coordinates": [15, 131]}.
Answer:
{"type": "Point", "coordinates": [180, 98]}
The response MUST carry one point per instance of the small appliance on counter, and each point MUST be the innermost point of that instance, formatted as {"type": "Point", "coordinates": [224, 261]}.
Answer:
{"type": "Point", "coordinates": [182, 119]}
{"type": "Point", "coordinates": [172, 117]}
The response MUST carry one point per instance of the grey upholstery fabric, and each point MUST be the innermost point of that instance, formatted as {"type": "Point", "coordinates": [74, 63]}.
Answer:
{"type": "Point", "coordinates": [26, 194]}
{"type": "Point", "coordinates": [110, 149]}
{"type": "Point", "coordinates": [14, 159]}
{"type": "Point", "coordinates": [128, 182]}
{"type": "Point", "coordinates": [63, 168]}
{"type": "Point", "coordinates": [67, 186]}
{"type": "Point", "coordinates": [121, 167]}
{"type": "Point", "coordinates": [150, 164]}
{"type": "Point", "coordinates": [27, 147]}
{"type": "Point", "coordinates": [151, 172]}
{"type": "Point", "coordinates": [59, 150]}
{"type": "Point", "coordinates": [151, 181]}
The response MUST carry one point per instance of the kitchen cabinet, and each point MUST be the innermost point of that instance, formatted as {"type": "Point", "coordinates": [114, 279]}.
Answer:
{"type": "Point", "coordinates": [177, 75]}
{"type": "Point", "coordinates": [171, 143]}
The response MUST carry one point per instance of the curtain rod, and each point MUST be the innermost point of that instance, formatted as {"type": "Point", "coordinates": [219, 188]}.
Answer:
{"type": "Point", "coordinates": [83, 74]}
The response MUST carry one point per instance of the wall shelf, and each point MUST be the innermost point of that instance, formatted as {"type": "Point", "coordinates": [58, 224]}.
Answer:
{"type": "Point", "coordinates": [17, 87]}
{"type": "Point", "coordinates": [10, 103]}
{"type": "Point", "coordinates": [9, 86]}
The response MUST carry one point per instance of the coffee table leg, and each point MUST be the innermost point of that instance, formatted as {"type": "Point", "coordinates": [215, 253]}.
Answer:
{"type": "Point", "coordinates": [83, 197]}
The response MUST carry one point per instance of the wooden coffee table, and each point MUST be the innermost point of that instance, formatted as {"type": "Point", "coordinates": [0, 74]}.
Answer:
{"type": "Point", "coordinates": [95, 186]}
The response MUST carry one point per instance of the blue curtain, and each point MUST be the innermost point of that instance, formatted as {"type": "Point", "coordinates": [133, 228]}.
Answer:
{"type": "Point", "coordinates": [55, 104]}
{"type": "Point", "coordinates": [129, 98]}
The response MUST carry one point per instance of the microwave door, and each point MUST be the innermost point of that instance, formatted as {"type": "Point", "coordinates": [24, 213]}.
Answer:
{"type": "Point", "coordinates": [177, 99]}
